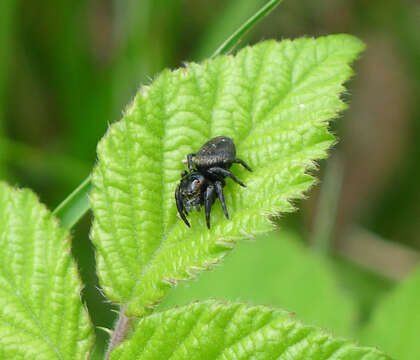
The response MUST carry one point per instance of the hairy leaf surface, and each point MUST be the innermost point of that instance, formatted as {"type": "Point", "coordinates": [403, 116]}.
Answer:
{"type": "Point", "coordinates": [41, 314]}
{"type": "Point", "coordinates": [395, 325]}
{"type": "Point", "coordinates": [274, 99]}
{"type": "Point", "coordinates": [276, 270]}
{"type": "Point", "coordinates": [216, 331]}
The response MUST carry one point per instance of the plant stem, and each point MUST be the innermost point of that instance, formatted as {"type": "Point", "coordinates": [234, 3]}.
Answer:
{"type": "Point", "coordinates": [323, 229]}
{"type": "Point", "coordinates": [75, 205]}
{"type": "Point", "coordinates": [233, 40]}
{"type": "Point", "coordinates": [119, 333]}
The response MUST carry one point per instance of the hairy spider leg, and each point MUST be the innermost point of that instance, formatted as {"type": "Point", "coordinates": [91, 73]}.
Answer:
{"type": "Point", "coordinates": [218, 171]}
{"type": "Point", "coordinates": [190, 162]}
{"type": "Point", "coordinates": [243, 163]}
{"type": "Point", "coordinates": [209, 197]}
{"type": "Point", "coordinates": [180, 207]}
{"type": "Point", "coordinates": [221, 196]}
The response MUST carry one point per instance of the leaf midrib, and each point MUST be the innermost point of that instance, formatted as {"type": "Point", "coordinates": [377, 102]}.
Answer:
{"type": "Point", "coordinates": [255, 89]}
{"type": "Point", "coordinates": [166, 234]}
{"type": "Point", "coordinates": [29, 232]}
{"type": "Point", "coordinates": [44, 334]}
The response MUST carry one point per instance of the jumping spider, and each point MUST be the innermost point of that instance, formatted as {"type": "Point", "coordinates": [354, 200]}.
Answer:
{"type": "Point", "coordinates": [201, 185]}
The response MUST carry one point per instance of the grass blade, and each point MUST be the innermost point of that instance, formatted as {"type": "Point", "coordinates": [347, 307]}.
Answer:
{"type": "Point", "coordinates": [75, 205]}
{"type": "Point", "coordinates": [230, 43]}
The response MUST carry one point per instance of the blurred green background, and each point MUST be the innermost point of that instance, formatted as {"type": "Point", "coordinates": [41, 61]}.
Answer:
{"type": "Point", "coordinates": [69, 67]}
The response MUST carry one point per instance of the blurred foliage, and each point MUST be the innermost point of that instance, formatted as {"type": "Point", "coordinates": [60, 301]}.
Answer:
{"type": "Point", "coordinates": [68, 68]}
{"type": "Point", "coordinates": [395, 324]}
{"type": "Point", "coordinates": [7, 18]}
{"type": "Point", "coordinates": [401, 22]}
{"type": "Point", "coordinates": [224, 22]}
{"type": "Point", "coordinates": [362, 286]}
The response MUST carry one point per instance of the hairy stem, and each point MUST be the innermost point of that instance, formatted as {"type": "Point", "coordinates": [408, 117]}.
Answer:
{"type": "Point", "coordinates": [119, 333]}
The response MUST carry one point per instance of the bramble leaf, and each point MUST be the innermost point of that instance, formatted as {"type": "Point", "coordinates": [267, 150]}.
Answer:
{"type": "Point", "coordinates": [216, 331]}
{"type": "Point", "coordinates": [395, 325]}
{"type": "Point", "coordinates": [274, 99]}
{"type": "Point", "coordinates": [41, 313]}
{"type": "Point", "coordinates": [277, 270]}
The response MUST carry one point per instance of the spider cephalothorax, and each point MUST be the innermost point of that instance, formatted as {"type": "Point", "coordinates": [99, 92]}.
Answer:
{"type": "Point", "coordinates": [202, 184]}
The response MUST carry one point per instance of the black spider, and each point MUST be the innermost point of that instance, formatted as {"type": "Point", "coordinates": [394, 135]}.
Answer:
{"type": "Point", "coordinates": [201, 185]}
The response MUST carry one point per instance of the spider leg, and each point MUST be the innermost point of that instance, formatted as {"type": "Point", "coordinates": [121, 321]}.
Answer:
{"type": "Point", "coordinates": [243, 163]}
{"type": "Point", "coordinates": [219, 192]}
{"type": "Point", "coordinates": [180, 207]}
{"type": "Point", "coordinates": [190, 162]}
{"type": "Point", "coordinates": [218, 171]}
{"type": "Point", "coordinates": [209, 196]}
{"type": "Point", "coordinates": [183, 173]}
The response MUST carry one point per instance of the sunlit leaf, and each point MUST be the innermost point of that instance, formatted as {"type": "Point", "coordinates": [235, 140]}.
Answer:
{"type": "Point", "coordinates": [214, 331]}
{"type": "Point", "coordinates": [274, 99]}
{"type": "Point", "coordinates": [276, 270]}
{"type": "Point", "coordinates": [41, 313]}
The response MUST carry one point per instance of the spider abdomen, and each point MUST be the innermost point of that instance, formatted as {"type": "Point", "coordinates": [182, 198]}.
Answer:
{"type": "Point", "coordinates": [219, 151]}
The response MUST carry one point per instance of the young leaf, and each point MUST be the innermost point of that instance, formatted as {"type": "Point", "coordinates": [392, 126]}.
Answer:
{"type": "Point", "coordinates": [395, 325]}
{"type": "Point", "coordinates": [273, 99]}
{"type": "Point", "coordinates": [212, 330]}
{"type": "Point", "coordinates": [40, 309]}
{"type": "Point", "coordinates": [277, 270]}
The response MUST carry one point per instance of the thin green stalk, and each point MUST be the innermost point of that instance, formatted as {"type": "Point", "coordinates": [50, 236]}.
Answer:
{"type": "Point", "coordinates": [323, 229]}
{"type": "Point", "coordinates": [77, 203]}
{"type": "Point", "coordinates": [233, 40]}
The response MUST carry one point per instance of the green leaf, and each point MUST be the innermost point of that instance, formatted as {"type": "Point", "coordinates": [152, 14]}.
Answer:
{"type": "Point", "coordinates": [273, 99]}
{"type": "Point", "coordinates": [395, 325]}
{"type": "Point", "coordinates": [72, 208]}
{"type": "Point", "coordinates": [213, 330]}
{"type": "Point", "coordinates": [276, 270]}
{"type": "Point", "coordinates": [41, 313]}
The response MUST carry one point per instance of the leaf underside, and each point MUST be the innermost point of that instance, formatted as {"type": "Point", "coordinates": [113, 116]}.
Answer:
{"type": "Point", "coordinates": [41, 314]}
{"type": "Point", "coordinates": [216, 331]}
{"type": "Point", "coordinates": [274, 99]}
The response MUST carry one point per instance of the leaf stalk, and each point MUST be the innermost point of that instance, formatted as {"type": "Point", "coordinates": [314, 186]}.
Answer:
{"type": "Point", "coordinates": [118, 335]}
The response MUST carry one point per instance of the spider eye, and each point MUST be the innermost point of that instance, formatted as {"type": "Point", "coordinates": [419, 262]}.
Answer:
{"type": "Point", "coordinates": [195, 185]}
